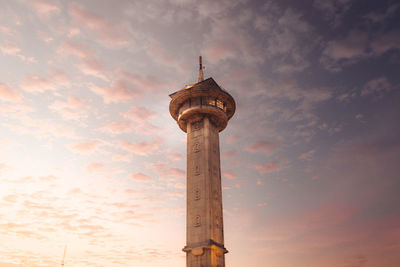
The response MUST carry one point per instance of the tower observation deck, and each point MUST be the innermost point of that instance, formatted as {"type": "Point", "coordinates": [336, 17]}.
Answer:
{"type": "Point", "coordinates": [202, 110]}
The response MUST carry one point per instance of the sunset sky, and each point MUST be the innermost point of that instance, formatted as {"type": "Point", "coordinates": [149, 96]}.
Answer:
{"type": "Point", "coordinates": [91, 159]}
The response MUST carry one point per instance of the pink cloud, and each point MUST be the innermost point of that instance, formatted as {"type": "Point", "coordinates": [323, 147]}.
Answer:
{"type": "Point", "coordinates": [95, 166]}
{"type": "Point", "coordinates": [232, 139]}
{"type": "Point", "coordinates": [119, 91]}
{"type": "Point", "coordinates": [176, 172]}
{"type": "Point", "coordinates": [9, 94]}
{"type": "Point", "coordinates": [48, 178]}
{"type": "Point", "coordinates": [180, 186]}
{"type": "Point", "coordinates": [262, 146]}
{"type": "Point", "coordinates": [85, 147]}
{"type": "Point", "coordinates": [139, 114]}
{"type": "Point", "coordinates": [140, 177]}
{"type": "Point", "coordinates": [269, 167]}
{"type": "Point", "coordinates": [7, 30]}
{"type": "Point", "coordinates": [140, 148]}
{"type": "Point", "coordinates": [175, 157]}
{"type": "Point", "coordinates": [11, 198]}
{"type": "Point", "coordinates": [89, 64]}
{"type": "Point", "coordinates": [73, 108]}
{"type": "Point", "coordinates": [109, 34]}
{"type": "Point", "coordinates": [219, 51]}
{"type": "Point", "coordinates": [70, 48]}
{"type": "Point", "coordinates": [45, 8]}
{"type": "Point", "coordinates": [228, 154]}
{"type": "Point", "coordinates": [132, 191]}
{"type": "Point", "coordinates": [163, 57]}
{"type": "Point", "coordinates": [12, 49]}
{"type": "Point", "coordinates": [118, 127]}
{"type": "Point", "coordinates": [174, 194]}
{"type": "Point", "coordinates": [127, 86]}
{"type": "Point", "coordinates": [229, 175]}
{"type": "Point", "coordinates": [54, 80]}
{"type": "Point", "coordinates": [119, 157]}
{"type": "Point", "coordinates": [308, 155]}
{"type": "Point", "coordinates": [259, 182]}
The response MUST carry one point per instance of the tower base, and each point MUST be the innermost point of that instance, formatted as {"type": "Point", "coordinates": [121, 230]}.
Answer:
{"type": "Point", "coordinates": [207, 254]}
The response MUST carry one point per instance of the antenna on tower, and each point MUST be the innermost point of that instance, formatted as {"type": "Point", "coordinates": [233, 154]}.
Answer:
{"type": "Point", "coordinates": [63, 258]}
{"type": "Point", "coordinates": [201, 77]}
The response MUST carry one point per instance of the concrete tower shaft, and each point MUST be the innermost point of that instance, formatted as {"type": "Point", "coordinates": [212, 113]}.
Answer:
{"type": "Point", "coordinates": [202, 110]}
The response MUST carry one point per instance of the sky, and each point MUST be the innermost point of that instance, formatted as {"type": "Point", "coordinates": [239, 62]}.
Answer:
{"type": "Point", "coordinates": [91, 159]}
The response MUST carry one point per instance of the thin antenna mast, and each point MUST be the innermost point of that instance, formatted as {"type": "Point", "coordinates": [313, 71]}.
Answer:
{"type": "Point", "coordinates": [63, 259]}
{"type": "Point", "coordinates": [201, 77]}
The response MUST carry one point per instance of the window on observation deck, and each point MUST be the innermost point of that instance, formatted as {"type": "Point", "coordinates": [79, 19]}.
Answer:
{"type": "Point", "coordinates": [210, 101]}
{"type": "Point", "coordinates": [220, 104]}
{"type": "Point", "coordinates": [195, 101]}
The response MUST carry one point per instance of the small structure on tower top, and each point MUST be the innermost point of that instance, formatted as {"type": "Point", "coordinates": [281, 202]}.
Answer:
{"type": "Point", "coordinates": [201, 76]}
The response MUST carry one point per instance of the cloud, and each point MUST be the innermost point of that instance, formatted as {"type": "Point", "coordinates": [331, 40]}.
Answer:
{"type": "Point", "coordinates": [9, 94]}
{"type": "Point", "coordinates": [125, 87]}
{"type": "Point", "coordinates": [268, 167]}
{"type": "Point", "coordinates": [355, 47]}
{"type": "Point", "coordinates": [308, 155]}
{"type": "Point", "coordinates": [289, 39]}
{"type": "Point", "coordinates": [141, 118]}
{"type": "Point", "coordinates": [118, 127]}
{"type": "Point", "coordinates": [229, 175]}
{"type": "Point", "coordinates": [228, 40]}
{"type": "Point", "coordinates": [108, 34]}
{"type": "Point", "coordinates": [95, 166]}
{"type": "Point", "coordinates": [263, 146]}
{"type": "Point", "coordinates": [54, 81]}
{"type": "Point", "coordinates": [73, 108]}
{"type": "Point", "coordinates": [175, 157]}
{"type": "Point", "coordinates": [140, 148]}
{"type": "Point", "coordinates": [347, 51]}
{"type": "Point", "coordinates": [159, 54]}
{"type": "Point", "coordinates": [47, 178]}
{"type": "Point", "coordinates": [180, 186]}
{"type": "Point", "coordinates": [85, 147]}
{"type": "Point", "coordinates": [10, 198]}
{"type": "Point", "coordinates": [376, 87]}
{"type": "Point", "coordinates": [386, 42]}
{"type": "Point", "coordinates": [175, 172]}
{"type": "Point", "coordinates": [7, 30]}
{"type": "Point", "coordinates": [89, 64]}
{"type": "Point", "coordinates": [333, 10]}
{"type": "Point", "coordinates": [228, 154]}
{"type": "Point", "coordinates": [377, 17]}
{"type": "Point", "coordinates": [45, 8]}
{"type": "Point", "coordinates": [119, 157]}
{"type": "Point", "coordinates": [12, 49]}
{"type": "Point", "coordinates": [140, 177]}
{"type": "Point", "coordinates": [139, 114]}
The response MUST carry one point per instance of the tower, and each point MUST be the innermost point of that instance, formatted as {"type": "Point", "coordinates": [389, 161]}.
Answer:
{"type": "Point", "coordinates": [202, 110]}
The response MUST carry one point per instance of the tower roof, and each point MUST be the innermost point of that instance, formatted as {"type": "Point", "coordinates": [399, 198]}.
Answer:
{"type": "Point", "coordinates": [209, 88]}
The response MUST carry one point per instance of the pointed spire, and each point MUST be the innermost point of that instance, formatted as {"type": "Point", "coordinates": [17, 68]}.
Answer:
{"type": "Point", "coordinates": [201, 78]}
